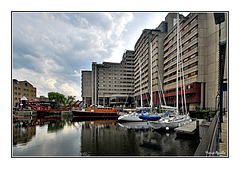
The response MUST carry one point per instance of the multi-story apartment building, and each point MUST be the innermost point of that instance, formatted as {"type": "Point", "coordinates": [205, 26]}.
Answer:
{"type": "Point", "coordinates": [155, 52]}
{"type": "Point", "coordinates": [23, 88]}
{"type": "Point", "coordinates": [112, 83]}
{"type": "Point", "coordinates": [199, 56]}
{"type": "Point", "coordinates": [86, 87]}
{"type": "Point", "coordinates": [147, 59]}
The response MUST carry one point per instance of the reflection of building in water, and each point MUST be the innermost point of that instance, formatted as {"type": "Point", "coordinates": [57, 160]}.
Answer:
{"type": "Point", "coordinates": [22, 135]}
{"type": "Point", "coordinates": [99, 123]}
{"type": "Point", "coordinates": [113, 140]}
{"type": "Point", "coordinates": [105, 139]}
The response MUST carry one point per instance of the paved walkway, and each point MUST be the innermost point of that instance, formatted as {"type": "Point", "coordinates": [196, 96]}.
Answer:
{"type": "Point", "coordinates": [223, 146]}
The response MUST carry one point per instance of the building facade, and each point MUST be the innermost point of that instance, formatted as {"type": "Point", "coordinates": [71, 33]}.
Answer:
{"type": "Point", "coordinates": [23, 88]}
{"type": "Point", "coordinates": [155, 53]}
{"type": "Point", "coordinates": [112, 83]}
{"type": "Point", "coordinates": [147, 60]}
{"type": "Point", "coordinates": [86, 87]}
{"type": "Point", "coordinates": [199, 60]}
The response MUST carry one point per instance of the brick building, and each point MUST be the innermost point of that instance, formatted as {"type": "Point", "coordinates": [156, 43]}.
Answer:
{"type": "Point", "coordinates": [23, 88]}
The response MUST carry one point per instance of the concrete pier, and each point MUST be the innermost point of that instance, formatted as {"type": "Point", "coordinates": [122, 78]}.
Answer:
{"type": "Point", "coordinates": [31, 113]}
{"type": "Point", "coordinates": [188, 129]}
{"type": "Point", "coordinates": [25, 113]}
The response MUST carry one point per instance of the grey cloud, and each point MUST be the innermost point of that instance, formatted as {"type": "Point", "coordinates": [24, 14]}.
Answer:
{"type": "Point", "coordinates": [54, 45]}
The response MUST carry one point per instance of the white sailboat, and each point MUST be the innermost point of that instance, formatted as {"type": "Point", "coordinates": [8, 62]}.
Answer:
{"type": "Point", "coordinates": [175, 120]}
{"type": "Point", "coordinates": [134, 117]}
{"type": "Point", "coordinates": [130, 117]}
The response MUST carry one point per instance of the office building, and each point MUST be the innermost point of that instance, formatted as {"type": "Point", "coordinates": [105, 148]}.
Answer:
{"type": "Point", "coordinates": [86, 87]}
{"type": "Point", "coordinates": [149, 44]}
{"type": "Point", "coordinates": [112, 83]}
{"type": "Point", "coordinates": [155, 53]}
{"type": "Point", "coordinates": [199, 55]}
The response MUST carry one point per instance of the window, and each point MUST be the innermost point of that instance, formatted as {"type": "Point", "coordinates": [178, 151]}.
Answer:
{"type": "Point", "coordinates": [192, 39]}
{"type": "Point", "coordinates": [186, 51]}
{"type": "Point", "coordinates": [194, 29]}
{"type": "Point", "coordinates": [185, 35]}
{"type": "Point", "coordinates": [194, 20]}
{"type": "Point", "coordinates": [185, 60]}
{"type": "Point", "coordinates": [194, 55]}
{"type": "Point", "coordinates": [194, 46]}
{"type": "Point", "coordinates": [185, 43]}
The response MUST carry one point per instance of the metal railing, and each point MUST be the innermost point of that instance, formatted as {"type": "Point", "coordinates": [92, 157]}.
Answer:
{"type": "Point", "coordinates": [209, 146]}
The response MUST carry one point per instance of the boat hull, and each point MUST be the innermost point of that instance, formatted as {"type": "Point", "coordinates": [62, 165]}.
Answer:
{"type": "Point", "coordinates": [79, 113]}
{"type": "Point", "coordinates": [129, 118]}
{"type": "Point", "coordinates": [134, 125]}
{"type": "Point", "coordinates": [161, 124]}
{"type": "Point", "coordinates": [149, 117]}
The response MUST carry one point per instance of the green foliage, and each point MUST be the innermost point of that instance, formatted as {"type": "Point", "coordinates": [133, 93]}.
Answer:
{"type": "Point", "coordinates": [55, 127]}
{"type": "Point", "coordinates": [212, 114]}
{"type": "Point", "coordinates": [58, 97]}
{"type": "Point", "coordinates": [61, 99]}
{"type": "Point", "coordinates": [69, 100]}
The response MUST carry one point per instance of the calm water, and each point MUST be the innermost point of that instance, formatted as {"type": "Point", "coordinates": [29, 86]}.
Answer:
{"type": "Point", "coordinates": [82, 137]}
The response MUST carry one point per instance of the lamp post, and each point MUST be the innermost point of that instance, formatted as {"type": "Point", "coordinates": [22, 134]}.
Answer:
{"type": "Point", "coordinates": [219, 18]}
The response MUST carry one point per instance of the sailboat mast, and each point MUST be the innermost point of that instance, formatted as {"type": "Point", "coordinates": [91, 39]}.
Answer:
{"type": "Point", "coordinates": [151, 102]}
{"type": "Point", "coordinates": [177, 61]}
{"type": "Point", "coordinates": [140, 81]}
{"type": "Point", "coordinates": [183, 81]}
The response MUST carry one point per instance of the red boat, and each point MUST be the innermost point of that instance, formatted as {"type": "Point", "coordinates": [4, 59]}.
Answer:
{"type": "Point", "coordinates": [96, 112]}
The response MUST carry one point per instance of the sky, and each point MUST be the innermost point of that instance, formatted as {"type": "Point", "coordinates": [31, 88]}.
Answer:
{"type": "Point", "coordinates": [50, 49]}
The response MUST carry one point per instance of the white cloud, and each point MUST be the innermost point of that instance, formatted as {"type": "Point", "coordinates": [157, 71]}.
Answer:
{"type": "Point", "coordinates": [68, 90]}
{"type": "Point", "coordinates": [48, 48]}
{"type": "Point", "coordinates": [48, 83]}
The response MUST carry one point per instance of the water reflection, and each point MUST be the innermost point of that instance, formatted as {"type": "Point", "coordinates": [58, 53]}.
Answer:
{"type": "Point", "coordinates": [95, 137]}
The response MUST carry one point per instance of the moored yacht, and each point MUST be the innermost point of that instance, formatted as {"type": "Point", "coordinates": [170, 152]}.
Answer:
{"type": "Point", "coordinates": [177, 120]}
{"type": "Point", "coordinates": [96, 112]}
{"type": "Point", "coordinates": [130, 117]}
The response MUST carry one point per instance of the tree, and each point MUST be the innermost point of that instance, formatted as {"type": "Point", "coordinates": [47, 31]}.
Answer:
{"type": "Point", "coordinates": [58, 97]}
{"type": "Point", "coordinates": [61, 99]}
{"type": "Point", "coordinates": [70, 100]}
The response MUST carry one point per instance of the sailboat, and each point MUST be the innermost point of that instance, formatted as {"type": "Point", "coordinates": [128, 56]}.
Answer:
{"type": "Point", "coordinates": [150, 115]}
{"type": "Point", "coordinates": [145, 115]}
{"type": "Point", "coordinates": [175, 120]}
{"type": "Point", "coordinates": [134, 117]}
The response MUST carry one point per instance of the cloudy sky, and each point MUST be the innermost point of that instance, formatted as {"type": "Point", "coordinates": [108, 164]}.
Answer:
{"type": "Point", "coordinates": [51, 49]}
